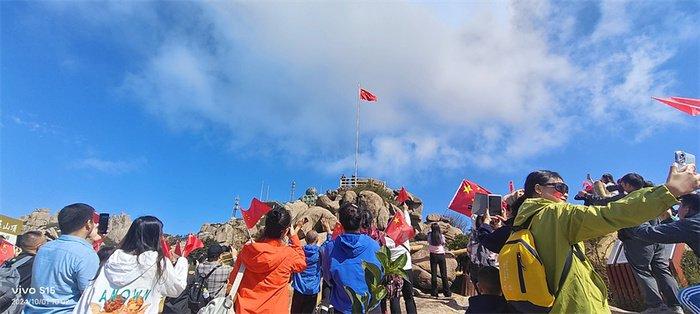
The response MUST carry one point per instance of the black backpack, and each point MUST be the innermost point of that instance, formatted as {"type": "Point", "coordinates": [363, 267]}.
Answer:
{"type": "Point", "coordinates": [198, 296]}
{"type": "Point", "coordinates": [10, 298]}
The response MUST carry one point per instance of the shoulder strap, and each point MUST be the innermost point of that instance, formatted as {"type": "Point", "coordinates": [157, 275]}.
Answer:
{"type": "Point", "coordinates": [20, 262]}
{"type": "Point", "coordinates": [212, 271]}
{"type": "Point", "coordinates": [574, 250]}
{"type": "Point", "coordinates": [234, 289]}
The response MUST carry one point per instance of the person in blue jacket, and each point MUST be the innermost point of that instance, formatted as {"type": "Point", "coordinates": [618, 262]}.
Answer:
{"type": "Point", "coordinates": [343, 257]}
{"type": "Point", "coordinates": [307, 284]}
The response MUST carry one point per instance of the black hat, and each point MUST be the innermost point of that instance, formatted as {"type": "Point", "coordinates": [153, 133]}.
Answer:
{"type": "Point", "coordinates": [214, 251]}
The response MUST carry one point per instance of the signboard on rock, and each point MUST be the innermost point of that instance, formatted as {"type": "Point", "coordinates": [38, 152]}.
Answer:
{"type": "Point", "coordinates": [10, 228]}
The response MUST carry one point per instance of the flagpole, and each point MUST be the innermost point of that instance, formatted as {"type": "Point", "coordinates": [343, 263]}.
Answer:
{"type": "Point", "coordinates": [357, 130]}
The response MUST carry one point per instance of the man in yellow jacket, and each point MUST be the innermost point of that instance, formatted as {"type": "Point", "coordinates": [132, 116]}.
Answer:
{"type": "Point", "coordinates": [557, 226]}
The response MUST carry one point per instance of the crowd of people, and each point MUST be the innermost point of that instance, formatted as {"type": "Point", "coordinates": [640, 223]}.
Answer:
{"type": "Point", "coordinates": [136, 276]}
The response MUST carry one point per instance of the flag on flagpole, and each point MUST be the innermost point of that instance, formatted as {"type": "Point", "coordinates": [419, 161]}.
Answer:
{"type": "Point", "coordinates": [252, 215]}
{"type": "Point", "coordinates": [337, 230]}
{"type": "Point", "coordinates": [464, 197]}
{"type": "Point", "coordinates": [399, 230]}
{"type": "Point", "coordinates": [366, 95]}
{"type": "Point", "coordinates": [403, 196]}
{"type": "Point", "coordinates": [688, 105]}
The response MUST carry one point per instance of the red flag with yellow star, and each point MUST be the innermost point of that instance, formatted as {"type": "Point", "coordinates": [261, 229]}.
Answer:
{"type": "Point", "coordinates": [464, 197]}
{"type": "Point", "coordinates": [399, 230]}
{"type": "Point", "coordinates": [252, 215]}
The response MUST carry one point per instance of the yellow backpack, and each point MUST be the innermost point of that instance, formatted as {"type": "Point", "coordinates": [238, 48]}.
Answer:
{"type": "Point", "coordinates": [523, 278]}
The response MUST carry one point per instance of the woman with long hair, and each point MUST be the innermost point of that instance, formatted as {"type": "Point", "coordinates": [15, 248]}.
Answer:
{"type": "Point", "coordinates": [269, 264]}
{"type": "Point", "coordinates": [137, 275]}
{"type": "Point", "coordinates": [560, 228]}
{"type": "Point", "coordinates": [436, 247]}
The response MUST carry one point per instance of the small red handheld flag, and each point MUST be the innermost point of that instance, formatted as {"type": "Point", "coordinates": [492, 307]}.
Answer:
{"type": "Point", "coordinates": [337, 230]}
{"type": "Point", "coordinates": [464, 197]}
{"type": "Point", "coordinates": [193, 243]}
{"type": "Point", "coordinates": [166, 247]}
{"type": "Point", "coordinates": [252, 215]}
{"type": "Point", "coordinates": [398, 230]}
{"type": "Point", "coordinates": [7, 251]}
{"type": "Point", "coordinates": [403, 196]}
{"type": "Point", "coordinates": [367, 96]}
{"type": "Point", "coordinates": [178, 249]}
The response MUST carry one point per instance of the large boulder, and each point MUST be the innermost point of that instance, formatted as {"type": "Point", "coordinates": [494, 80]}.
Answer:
{"type": "Point", "coordinates": [233, 232]}
{"type": "Point", "coordinates": [421, 269]}
{"type": "Point", "coordinates": [370, 200]}
{"type": "Point", "coordinates": [326, 202]}
{"type": "Point", "coordinates": [315, 216]}
{"type": "Point", "coordinates": [119, 225]}
{"type": "Point", "coordinates": [295, 208]}
{"type": "Point", "coordinates": [40, 219]}
{"type": "Point", "coordinates": [348, 196]}
{"type": "Point", "coordinates": [433, 218]}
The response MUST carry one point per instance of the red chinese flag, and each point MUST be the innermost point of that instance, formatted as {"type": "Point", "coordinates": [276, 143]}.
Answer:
{"type": "Point", "coordinates": [178, 249]}
{"type": "Point", "coordinates": [403, 196]}
{"type": "Point", "coordinates": [7, 251]}
{"type": "Point", "coordinates": [687, 101]}
{"type": "Point", "coordinates": [166, 248]}
{"type": "Point", "coordinates": [398, 230]}
{"type": "Point", "coordinates": [367, 96]}
{"type": "Point", "coordinates": [193, 243]}
{"type": "Point", "coordinates": [685, 106]}
{"type": "Point", "coordinates": [464, 197]}
{"type": "Point", "coordinates": [252, 215]}
{"type": "Point", "coordinates": [337, 230]}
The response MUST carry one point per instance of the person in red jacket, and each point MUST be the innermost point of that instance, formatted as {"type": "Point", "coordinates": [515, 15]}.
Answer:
{"type": "Point", "coordinates": [269, 264]}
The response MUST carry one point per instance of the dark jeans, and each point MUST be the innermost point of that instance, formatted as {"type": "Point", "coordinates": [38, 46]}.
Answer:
{"type": "Point", "coordinates": [407, 293]}
{"type": "Point", "coordinates": [435, 261]}
{"type": "Point", "coordinates": [303, 303]}
{"type": "Point", "coordinates": [651, 268]}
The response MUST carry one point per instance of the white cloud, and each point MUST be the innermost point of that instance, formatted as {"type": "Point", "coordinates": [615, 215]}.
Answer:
{"type": "Point", "coordinates": [113, 167]}
{"type": "Point", "coordinates": [455, 87]}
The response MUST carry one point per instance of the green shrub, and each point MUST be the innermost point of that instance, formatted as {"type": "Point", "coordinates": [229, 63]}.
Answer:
{"type": "Point", "coordinates": [461, 241]}
{"type": "Point", "coordinates": [691, 267]}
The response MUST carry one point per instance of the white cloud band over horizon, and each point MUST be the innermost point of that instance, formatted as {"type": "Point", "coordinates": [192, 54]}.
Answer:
{"type": "Point", "coordinates": [281, 78]}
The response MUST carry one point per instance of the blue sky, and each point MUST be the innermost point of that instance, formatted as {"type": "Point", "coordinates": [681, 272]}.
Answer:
{"type": "Point", "coordinates": [173, 108]}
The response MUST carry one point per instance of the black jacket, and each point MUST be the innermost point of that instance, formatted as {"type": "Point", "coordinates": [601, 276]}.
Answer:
{"type": "Point", "coordinates": [494, 239]}
{"type": "Point", "coordinates": [686, 230]}
{"type": "Point", "coordinates": [485, 303]}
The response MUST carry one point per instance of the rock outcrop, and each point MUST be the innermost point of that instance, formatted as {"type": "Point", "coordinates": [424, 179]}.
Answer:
{"type": "Point", "coordinates": [42, 219]}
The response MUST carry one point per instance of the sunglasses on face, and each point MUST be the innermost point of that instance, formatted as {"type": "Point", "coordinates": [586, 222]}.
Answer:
{"type": "Point", "coordinates": [560, 187]}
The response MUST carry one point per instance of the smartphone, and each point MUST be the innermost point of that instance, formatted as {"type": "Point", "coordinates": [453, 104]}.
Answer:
{"type": "Point", "coordinates": [480, 205]}
{"type": "Point", "coordinates": [495, 208]}
{"type": "Point", "coordinates": [683, 159]}
{"type": "Point", "coordinates": [104, 223]}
